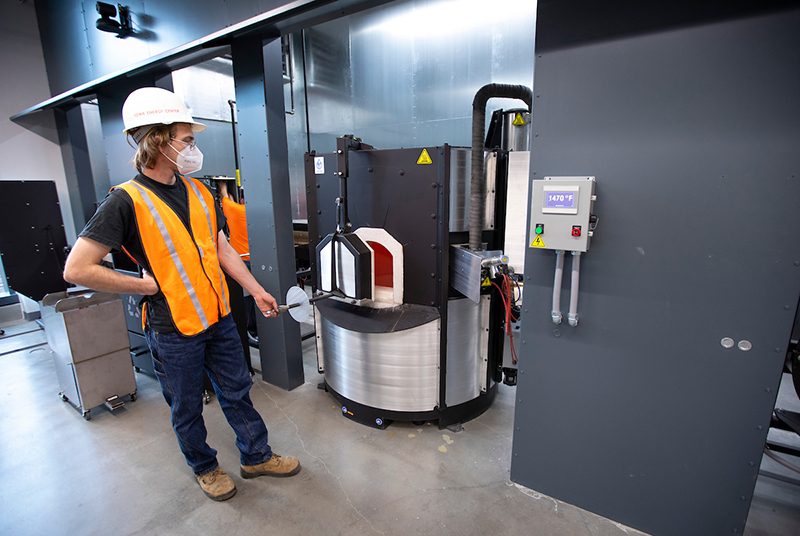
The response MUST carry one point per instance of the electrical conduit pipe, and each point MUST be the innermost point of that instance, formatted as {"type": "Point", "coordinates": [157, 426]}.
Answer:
{"type": "Point", "coordinates": [573, 291]}
{"type": "Point", "coordinates": [556, 312]}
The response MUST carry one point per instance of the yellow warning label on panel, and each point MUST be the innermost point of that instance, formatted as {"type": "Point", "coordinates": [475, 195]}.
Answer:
{"type": "Point", "coordinates": [538, 242]}
{"type": "Point", "coordinates": [518, 120]}
{"type": "Point", "coordinates": [424, 158]}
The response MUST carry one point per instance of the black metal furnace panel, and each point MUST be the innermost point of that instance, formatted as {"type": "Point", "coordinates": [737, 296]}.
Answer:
{"type": "Point", "coordinates": [390, 190]}
{"type": "Point", "coordinates": [639, 413]}
{"type": "Point", "coordinates": [32, 238]}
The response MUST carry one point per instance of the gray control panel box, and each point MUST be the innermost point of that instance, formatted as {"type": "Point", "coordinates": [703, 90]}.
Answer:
{"type": "Point", "coordinates": [561, 213]}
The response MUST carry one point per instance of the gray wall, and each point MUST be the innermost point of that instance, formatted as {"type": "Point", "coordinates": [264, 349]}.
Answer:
{"type": "Point", "coordinates": [29, 150]}
{"type": "Point", "coordinates": [400, 75]}
{"type": "Point", "coordinates": [206, 89]}
{"type": "Point", "coordinates": [687, 115]}
{"type": "Point", "coordinates": [69, 33]}
{"type": "Point", "coordinates": [405, 74]}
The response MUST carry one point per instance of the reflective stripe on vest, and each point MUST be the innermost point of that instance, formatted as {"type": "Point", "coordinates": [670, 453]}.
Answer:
{"type": "Point", "coordinates": [185, 266]}
{"type": "Point", "coordinates": [211, 231]}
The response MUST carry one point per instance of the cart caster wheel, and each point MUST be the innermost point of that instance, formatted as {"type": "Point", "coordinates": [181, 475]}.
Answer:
{"type": "Point", "coordinates": [133, 397]}
{"type": "Point", "coordinates": [137, 369]}
{"type": "Point", "coordinates": [206, 399]}
{"type": "Point", "coordinates": [63, 397]}
{"type": "Point", "coordinates": [87, 416]}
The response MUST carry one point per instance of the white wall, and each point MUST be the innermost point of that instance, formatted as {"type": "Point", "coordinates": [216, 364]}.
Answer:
{"type": "Point", "coordinates": [29, 150]}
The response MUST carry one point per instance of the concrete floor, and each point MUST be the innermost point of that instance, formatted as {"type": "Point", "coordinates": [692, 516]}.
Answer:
{"type": "Point", "coordinates": [122, 472]}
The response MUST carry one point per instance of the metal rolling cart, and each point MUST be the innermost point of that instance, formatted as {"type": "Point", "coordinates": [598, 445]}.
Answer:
{"type": "Point", "coordinates": [89, 339]}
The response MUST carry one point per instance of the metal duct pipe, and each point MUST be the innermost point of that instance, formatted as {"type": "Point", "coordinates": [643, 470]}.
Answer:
{"type": "Point", "coordinates": [477, 189]}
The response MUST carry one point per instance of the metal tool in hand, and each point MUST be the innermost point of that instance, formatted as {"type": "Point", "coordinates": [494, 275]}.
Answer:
{"type": "Point", "coordinates": [299, 305]}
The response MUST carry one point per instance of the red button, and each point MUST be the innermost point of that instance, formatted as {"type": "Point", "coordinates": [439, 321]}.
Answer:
{"type": "Point", "coordinates": [576, 231]}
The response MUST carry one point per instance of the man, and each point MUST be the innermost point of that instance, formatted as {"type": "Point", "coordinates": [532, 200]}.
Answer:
{"type": "Point", "coordinates": [169, 225]}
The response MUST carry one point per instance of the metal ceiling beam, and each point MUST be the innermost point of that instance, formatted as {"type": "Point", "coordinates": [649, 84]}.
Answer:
{"type": "Point", "coordinates": [289, 17]}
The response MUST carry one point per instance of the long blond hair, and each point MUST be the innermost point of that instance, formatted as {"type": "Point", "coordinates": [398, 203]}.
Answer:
{"type": "Point", "coordinates": [149, 147]}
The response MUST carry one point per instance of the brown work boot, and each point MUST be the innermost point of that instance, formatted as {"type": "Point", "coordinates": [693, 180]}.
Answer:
{"type": "Point", "coordinates": [275, 466]}
{"type": "Point", "coordinates": [217, 485]}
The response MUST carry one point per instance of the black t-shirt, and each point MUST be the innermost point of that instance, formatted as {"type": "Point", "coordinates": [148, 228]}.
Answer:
{"type": "Point", "coordinates": [114, 225]}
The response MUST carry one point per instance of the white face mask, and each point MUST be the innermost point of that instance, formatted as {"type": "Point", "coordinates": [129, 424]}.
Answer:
{"type": "Point", "coordinates": [189, 160]}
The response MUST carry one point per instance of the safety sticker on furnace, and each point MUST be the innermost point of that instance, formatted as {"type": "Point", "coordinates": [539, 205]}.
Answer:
{"type": "Point", "coordinates": [424, 158]}
{"type": "Point", "coordinates": [538, 242]}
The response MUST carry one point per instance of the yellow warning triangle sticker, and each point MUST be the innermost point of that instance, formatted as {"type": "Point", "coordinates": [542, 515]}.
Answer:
{"type": "Point", "coordinates": [424, 158]}
{"type": "Point", "coordinates": [538, 242]}
{"type": "Point", "coordinates": [518, 120]}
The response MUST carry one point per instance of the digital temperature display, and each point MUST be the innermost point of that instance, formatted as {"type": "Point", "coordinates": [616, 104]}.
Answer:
{"type": "Point", "coordinates": [560, 199]}
{"type": "Point", "coordinates": [560, 212]}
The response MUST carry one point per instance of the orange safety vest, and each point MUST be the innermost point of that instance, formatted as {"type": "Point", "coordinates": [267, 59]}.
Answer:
{"type": "Point", "coordinates": [237, 223]}
{"type": "Point", "coordinates": [186, 269]}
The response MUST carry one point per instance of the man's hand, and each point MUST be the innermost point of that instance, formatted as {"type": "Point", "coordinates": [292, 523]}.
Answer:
{"type": "Point", "coordinates": [151, 287]}
{"type": "Point", "coordinates": [83, 268]}
{"type": "Point", "coordinates": [235, 267]}
{"type": "Point", "coordinates": [266, 303]}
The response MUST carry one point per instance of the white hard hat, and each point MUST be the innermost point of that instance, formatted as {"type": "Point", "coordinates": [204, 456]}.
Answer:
{"type": "Point", "coordinates": [150, 106]}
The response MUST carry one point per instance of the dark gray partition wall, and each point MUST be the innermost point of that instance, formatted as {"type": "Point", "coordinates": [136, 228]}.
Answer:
{"type": "Point", "coordinates": [688, 116]}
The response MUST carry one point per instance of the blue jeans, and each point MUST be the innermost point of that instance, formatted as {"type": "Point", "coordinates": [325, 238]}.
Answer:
{"type": "Point", "coordinates": [179, 362]}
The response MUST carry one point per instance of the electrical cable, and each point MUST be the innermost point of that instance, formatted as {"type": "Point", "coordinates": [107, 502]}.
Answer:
{"type": "Point", "coordinates": [507, 306]}
{"type": "Point", "coordinates": [514, 279]}
{"type": "Point", "coordinates": [511, 300]}
{"type": "Point", "coordinates": [509, 327]}
{"type": "Point", "coordinates": [305, 86]}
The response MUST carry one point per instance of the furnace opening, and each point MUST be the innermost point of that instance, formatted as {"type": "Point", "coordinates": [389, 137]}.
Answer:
{"type": "Point", "coordinates": [387, 265]}
{"type": "Point", "coordinates": [384, 273]}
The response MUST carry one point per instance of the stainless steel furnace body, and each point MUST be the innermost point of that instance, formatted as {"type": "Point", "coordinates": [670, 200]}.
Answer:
{"type": "Point", "coordinates": [405, 344]}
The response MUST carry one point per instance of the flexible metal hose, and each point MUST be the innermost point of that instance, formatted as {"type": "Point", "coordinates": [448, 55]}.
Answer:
{"type": "Point", "coordinates": [477, 191]}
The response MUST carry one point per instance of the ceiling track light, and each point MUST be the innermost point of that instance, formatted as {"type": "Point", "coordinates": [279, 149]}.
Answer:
{"type": "Point", "coordinates": [108, 23]}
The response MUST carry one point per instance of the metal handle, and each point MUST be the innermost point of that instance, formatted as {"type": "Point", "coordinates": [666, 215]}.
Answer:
{"type": "Point", "coordinates": [284, 308]}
